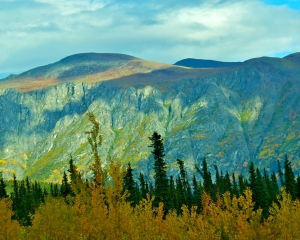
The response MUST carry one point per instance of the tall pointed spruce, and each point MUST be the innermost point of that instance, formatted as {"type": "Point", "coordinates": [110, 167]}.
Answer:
{"type": "Point", "coordinates": [161, 183]}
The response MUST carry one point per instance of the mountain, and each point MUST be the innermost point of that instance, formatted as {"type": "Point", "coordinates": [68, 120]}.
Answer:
{"type": "Point", "coordinates": [231, 116]}
{"type": "Point", "coordinates": [200, 63]}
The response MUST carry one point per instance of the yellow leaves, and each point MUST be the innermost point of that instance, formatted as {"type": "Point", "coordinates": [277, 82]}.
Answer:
{"type": "Point", "coordinates": [104, 214]}
{"type": "Point", "coordinates": [9, 229]}
{"type": "Point", "coordinates": [2, 161]}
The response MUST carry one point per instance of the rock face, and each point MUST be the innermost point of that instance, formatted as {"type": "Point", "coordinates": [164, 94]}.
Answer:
{"type": "Point", "coordinates": [247, 113]}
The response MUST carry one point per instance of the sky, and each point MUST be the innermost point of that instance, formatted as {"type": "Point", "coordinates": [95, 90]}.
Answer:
{"type": "Point", "coordinates": [38, 32]}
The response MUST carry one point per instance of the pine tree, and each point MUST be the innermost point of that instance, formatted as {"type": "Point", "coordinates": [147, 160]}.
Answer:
{"type": "Point", "coordinates": [161, 183]}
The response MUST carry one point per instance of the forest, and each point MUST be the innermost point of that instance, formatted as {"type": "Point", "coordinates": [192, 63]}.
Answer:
{"type": "Point", "coordinates": [113, 204]}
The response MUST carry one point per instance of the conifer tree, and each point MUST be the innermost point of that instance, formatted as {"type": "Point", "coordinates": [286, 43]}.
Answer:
{"type": "Point", "coordinates": [254, 185]}
{"type": "Point", "coordinates": [130, 185]}
{"type": "Point", "coordinates": [161, 183]}
{"type": "Point", "coordinates": [3, 193]}
{"type": "Point", "coordinates": [242, 185]}
{"type": "Point", "coordinates": [280, 173]}
{"type": "Point", "coordinates": [298, 187]}
{"type": "Point", "coordinates": [143, 185]}
{"type": "Point", "coordinates": [180, 195]}
{"type": "Point", "coordinates": [275, 189]}
{"type": "Point", "coordinates": [172, 194]}
{"type": "Point", "coordinates": [65, 188]}
{"type": "Point", "coordinates": [289, 178]}
{"type": "Point", "coordinates": [196, 193]}
{"type": "Point", "coordinates": [207, 181]}
{"type": "Point", "coordinates": [235, 190]}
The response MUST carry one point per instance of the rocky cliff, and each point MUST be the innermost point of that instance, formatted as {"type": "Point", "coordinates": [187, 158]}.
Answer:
{"type": "Point", "coordinates": [249, 112]}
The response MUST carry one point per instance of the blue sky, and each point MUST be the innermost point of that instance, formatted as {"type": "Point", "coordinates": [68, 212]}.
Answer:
{"type": "Point", "coordinates": [39, 32]}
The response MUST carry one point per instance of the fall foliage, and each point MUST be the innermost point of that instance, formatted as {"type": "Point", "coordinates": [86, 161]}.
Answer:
{"type": "Point", "coordinates": [114, 205]}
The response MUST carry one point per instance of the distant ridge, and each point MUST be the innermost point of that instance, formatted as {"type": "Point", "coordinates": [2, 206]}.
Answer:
{"type": "Point", "coordinates": [200, 63]}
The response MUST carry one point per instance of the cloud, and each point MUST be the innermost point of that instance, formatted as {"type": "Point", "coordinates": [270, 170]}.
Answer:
{"type": "Point", "coordinates": [34, 33]}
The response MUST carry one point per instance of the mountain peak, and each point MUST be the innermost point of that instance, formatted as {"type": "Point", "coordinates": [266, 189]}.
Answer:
{"type": "Point", "coordinates": [294, 57]}
{"type": "Point", "coordinates": [96, 57]}
{"type": "Point", "coordinates": [202, 63]}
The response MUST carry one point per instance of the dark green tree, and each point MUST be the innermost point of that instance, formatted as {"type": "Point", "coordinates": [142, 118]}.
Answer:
{"type": "Point", "coordinates": [161, 183]}
{"type": "Point", "coordinates": [143, 188]}
{"type": "Point", "coordinates": [3, 193]}
{"type": "Point", "coordinates": [130, 185]}
{"type": "Point", "coordinates": [289, 178]}
{"type": "Point", "coordinates": [65, 188]}
{"type": "Point", "coordinates": [280, 173]}
{"type": "Point", "coordinates": [207, 181]}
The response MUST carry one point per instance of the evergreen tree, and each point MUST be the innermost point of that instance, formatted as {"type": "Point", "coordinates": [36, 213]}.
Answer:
{"type": "Point", "coordinates": [143, 186]}
{"type": "Point", "coordinates": [254, 185]}
{"type": "Point", "coordinates": [65, 188]}
{"type": "Point", "coordinates": [3, 193]}
{"type": "Point", "coordinates": [298, 187]}
{"type": "Point", "coordinates": [161, 183]}
{"type": "Point", "coordinates": [227, 183]}
{"type": "Point", "coordinates": [275, 189]}
{"type": "Point", "coordinates": [196, 193]}
{"type": "Point", "coordinates": [262, 194]}
{"type": "Point", "coordinates": [280, 173]}
{"type": "Point", "coordinates": [289, 178]}
{"type": "Point", "coordinates": [235, 190]}
{"type": "Point", "coordinates": [130, 185]}
{"type": "Point", "coordinates": [180, 195]}
{"type": "Point", "coordinates": [242, 185]}
{"type": "Point", "coordinates": [172, 194]}
{"type": "Point", "coordinates": [207, 181]}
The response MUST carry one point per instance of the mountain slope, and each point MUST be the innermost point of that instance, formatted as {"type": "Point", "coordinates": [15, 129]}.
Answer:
{"type": "Point", "coordinates": [231, 116]}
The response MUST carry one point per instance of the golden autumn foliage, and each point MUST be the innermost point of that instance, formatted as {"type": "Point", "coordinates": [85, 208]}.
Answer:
{"type": "Point", "coordinates": [9, 229]}
{"type": "Point", "coordinates": [105, 214]}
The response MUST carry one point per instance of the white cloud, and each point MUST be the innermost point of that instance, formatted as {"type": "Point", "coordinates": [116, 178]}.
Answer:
{"type": "Point", "coordinates": [33, 33]}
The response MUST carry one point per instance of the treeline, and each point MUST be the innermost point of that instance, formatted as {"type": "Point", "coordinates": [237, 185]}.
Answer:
{"type": "Point", "coordinates": [115, 205]}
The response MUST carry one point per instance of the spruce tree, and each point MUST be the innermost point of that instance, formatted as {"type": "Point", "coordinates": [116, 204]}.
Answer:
{"type": "Point", "coordinates": [289, 178]}
{"type": "Point", "coordinates": [235, 190]}
{"type": "Point", "coordinates": [254, 185]}
{"type": "Point", "coordinates": [280, 173]}
{"type": "Point", "coordinates": [298, 187]}
{"type": "Point", "coordinates": [65, 188]}
{"type": "Point", "coordinates": [161, 183]}
{"type": "Point", "coordinates": [3, 193]}
{"type": "Point", "coordinates": [143, 186]}
{"type": "Point", "coordinates": [207, 181]}
{"type": "Point", "coordinates": [130, 186]}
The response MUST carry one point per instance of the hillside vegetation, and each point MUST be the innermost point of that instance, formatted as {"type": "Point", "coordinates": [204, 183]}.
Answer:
{"type": "Point", "coordinates": [112, 204]}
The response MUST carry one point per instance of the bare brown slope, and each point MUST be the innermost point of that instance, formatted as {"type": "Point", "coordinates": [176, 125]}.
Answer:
{"type": "Point", "coordinates": [93, 67]}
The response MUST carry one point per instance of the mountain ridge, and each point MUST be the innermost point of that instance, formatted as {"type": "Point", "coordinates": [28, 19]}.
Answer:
{"type": "Point", "coordinates": [232, 116]}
